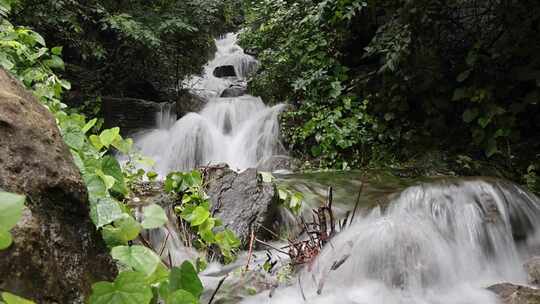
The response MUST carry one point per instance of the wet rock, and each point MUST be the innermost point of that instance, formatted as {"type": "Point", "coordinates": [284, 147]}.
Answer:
{"type": "Point", "coordinates": [242, 201]}
{"type": "Point", "coordinates": [278, 162]}
{"type": "Point", "coordinates": [532, 266]}
{"type": "Point", "coordinates": [130, 114]}
{"type": "Point", "coordinates": [56, 253]}
{"type": "Point", "coordinates": [224, 71]}
{"type": "Point", "coordinates": [234, 91]}
{"type": "Point", "coordinates": [188, 102]}
{"type": "Point", "coordinates": [515, 294]}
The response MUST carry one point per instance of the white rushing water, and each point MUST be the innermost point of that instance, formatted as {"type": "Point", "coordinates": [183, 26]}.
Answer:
{"type": "Point", "coordinates": [240, 131]}
{"type": "Point", "coordinates": [439, 243]}
{"type": "Point", "coordinates": [435, 243]}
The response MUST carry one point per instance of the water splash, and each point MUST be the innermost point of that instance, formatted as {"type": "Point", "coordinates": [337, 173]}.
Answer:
{"type": "Point", "coordinates": [441, 242]}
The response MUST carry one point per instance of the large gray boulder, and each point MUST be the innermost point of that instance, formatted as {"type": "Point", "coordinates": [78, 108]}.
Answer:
{"type": "Point", "coordinates": [187, 102]}
{"type": "Point", "coordinates": [515, 294]}
{"type": "Point", "coordinates": [130, 114]}
{"type": "Point", "coordinates": [56, 253]}
{"type": "Point", "coordinates": [242, 201]}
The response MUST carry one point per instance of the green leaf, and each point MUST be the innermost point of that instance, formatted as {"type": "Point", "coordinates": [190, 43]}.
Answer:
{"type": "Point", "coordinates": [470, 114]}
{"type": "Point", "coordinates": [128, 288]}
{"type": "Point", "coordinates": [38, 38]}
{"type": "Point", "coordinates": [484, 121]}
{"type": "Point", "coordinates": [185, 278]}
{"type": "Point", "coordinates": [107, 179]}
{"type": "Point", "coordinates": [181, 297]}
{"type": "Point", "coordinates": [110, 166]}
{"type": "Point", "coordinates": [6, 62]}
{"type": "Point", "coordinates": [73, 137]}
{"type": "Point", "coordinates": [96, 187]}
{"type": "Point", "coordinates": [227, 241]}
{"type": "Point", "coordinates": [55, 63]}
{"type": "Point", "coordinates": [160, 275]}
{"type": "Point", "coordinates": [123, 231]}
{"type": "Point", "coordinates": [123, 145]}
{"type": "Point", "coordinates": [5, 239]}
{"type": "Point", "coordinates": [11, 208]}
{"type": "Point", "coordinates": [316, 150]}
{"type": "Point", "coordinates": [198, 216]}
{"type": "Point", "coordinates": [65, 84]}
{"type": "Point", "coordinates": [107, 137]}
{"type": "Point", "coordinates": [491, 147]}
{"type": "Point", "coordinates": [96, 141]}
{"type": "Point", "coordinates": [296, 201]}
{"type": "Point", "coordinates": [89, 125]}
{"type": "Point", "coordinates": [140, 258]}
{"type": "Point", "coordinates": [151, 175]}
{"type": "Point", "coordinates": [104, 211]}
{"type": "Point", "coordinates": [57, 50]}
{"type": "Point", "coordinates": [283, 194]}
{"type": "Point", "coordinates": [154, 217]}
{"type": "Point", "coordinates": [463, 76]}
{"type": "Point", "coordinates": [10, 298]}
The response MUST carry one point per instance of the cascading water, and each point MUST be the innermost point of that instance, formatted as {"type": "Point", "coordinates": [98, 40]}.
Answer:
{"type": "Point", "coordinates": [441, 242]}
{"type": "Point", "coordinates": [240, 131]}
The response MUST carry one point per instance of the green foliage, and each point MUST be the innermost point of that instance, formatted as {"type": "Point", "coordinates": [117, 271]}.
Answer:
{"type": "Point", "coordinates": [179, 285]}
{"type": "Point", "coordinates": [154, 217]}
{"type": "Point", "coordinates": [129, 288]}
{"type": "Point", "coordinates": [328, 122]}
{"type": "Point", "coordinates": [121, 231]}
{"type": "Point", "coordinates": [13, 299]}
{"type": "Point", "coordinates": [140, 258]}
{"type": "Point", "coordinates": [291, 199]}
{"type": "Point", "coordinates": [195, 210]}
{"type": "Point", "coordinates": [11, 207]}
{"type": "Point", "coordinates": [115, 46]}
{"type": "Point", "coordinates": [186, 278]}
{"type": "Point", "coordinates": [398, 76]}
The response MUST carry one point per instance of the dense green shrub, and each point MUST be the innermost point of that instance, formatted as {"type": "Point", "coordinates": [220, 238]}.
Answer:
{"type": "Point", "coordinates": [131, 48]}
{"type": "Point", "coordinates": [400, 76]}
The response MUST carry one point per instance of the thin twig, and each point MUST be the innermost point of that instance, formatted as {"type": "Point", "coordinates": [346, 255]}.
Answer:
{"type": "Point", "coordinates": [145, 242]}
{"type": "Point", "coordinates": [250, 254]}
{"type": "Point", "coordinates": [165, 242]}
{"type": "Point", "coordinates": [271, 232]}
{"type": "Point", "coordinates": [357, 202]}
{"type": "Point", "coordinates": [268, 245]}
{"type": "Point", "coordinates": [301, 289]}
{"type": "Point", "coordinates": [217, 288]}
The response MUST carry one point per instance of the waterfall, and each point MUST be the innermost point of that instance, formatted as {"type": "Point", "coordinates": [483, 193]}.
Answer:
{"type": "Point", "coordinates": [440, 242]}
{"type": "Point", "coordinates": [240, 131]}
{"type": "Point", "coordinates": [228, 53]}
